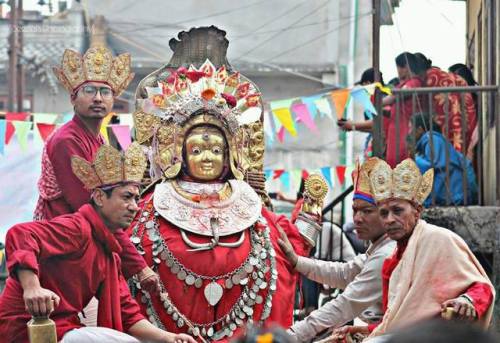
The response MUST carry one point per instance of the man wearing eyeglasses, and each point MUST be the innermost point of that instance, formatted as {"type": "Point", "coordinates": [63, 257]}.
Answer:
{"type": "Point", "coordinates": [93, 81]}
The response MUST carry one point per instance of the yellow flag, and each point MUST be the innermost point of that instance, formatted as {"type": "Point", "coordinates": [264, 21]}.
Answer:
{"type": "Point", "coordinates": [104, 125]}
{"type": "Point", "coordinates": [285, 118]}
{"type": "Point", "coordinates": [339, 98]}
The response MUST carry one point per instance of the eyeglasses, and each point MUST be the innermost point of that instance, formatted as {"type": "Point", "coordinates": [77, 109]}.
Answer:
{"type": "Point", "coordinates": [91, 91]}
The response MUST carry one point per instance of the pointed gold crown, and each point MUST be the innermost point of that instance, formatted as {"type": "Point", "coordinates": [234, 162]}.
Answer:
{"type": "Point", "coordinates": [97, 65]}
{"type": "Point", "coordinates": [361, 179]}
{"type": "Point", "coordinates": [111, 167]}
{"type": "Point", "coordinates": [403, 182]}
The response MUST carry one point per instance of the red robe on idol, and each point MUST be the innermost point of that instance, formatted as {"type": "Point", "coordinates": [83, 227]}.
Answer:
{"type": "Point", "coordinates": [245, 273]}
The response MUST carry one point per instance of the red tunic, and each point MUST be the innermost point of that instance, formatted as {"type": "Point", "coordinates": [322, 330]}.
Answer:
{"type": "Point", "coordinates": [75, 256]}
{"type": "Point", "coordinates": [61, 192]}
{"type": "Point", "coordinates": [396, 135]}
{"type": "Point", "coordinates": [191, 301]}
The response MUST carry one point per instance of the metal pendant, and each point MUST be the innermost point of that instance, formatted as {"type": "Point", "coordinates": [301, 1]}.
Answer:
{"type": "Point", "coordinates": [213, 293]}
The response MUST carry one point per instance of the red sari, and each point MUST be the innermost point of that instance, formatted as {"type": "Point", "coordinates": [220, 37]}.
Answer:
{"type": "Point", "coordinates": [436, 77]}
{"type": "Point", "coordinates": [396, 135]}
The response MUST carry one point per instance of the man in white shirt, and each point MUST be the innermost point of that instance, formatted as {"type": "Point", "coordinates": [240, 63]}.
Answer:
{"type": "Point", "coordinates": [360, 278]}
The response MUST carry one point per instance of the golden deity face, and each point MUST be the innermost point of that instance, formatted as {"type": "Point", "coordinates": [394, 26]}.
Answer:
{"type": "Point", "coordinates": [205, 153]}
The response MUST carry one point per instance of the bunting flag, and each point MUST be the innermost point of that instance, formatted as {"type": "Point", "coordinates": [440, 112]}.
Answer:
{"type": "Point", "coordinates": [281, 134]}
{"type": "Point", "coordinates": [104, 125]}
{"type": "Point", "coordinates": [310, 102]}
{"type": "Point", "coordinates": [22, 129]}
{"type": "Point", "coordinates": [13, 116]}
{"type": "Point", "coordinates": [296, 177]}
{"type": "Point", "coordinates": [361, 96]}
{"type": "Point", "coordinates": [285, 179]}
{"type": "Point", "coordinates": [302, 114]}
{"type": "Point", "coordinates": [122, 134]}
{"type": "Point", "coordinates": [284, 116]}
{"type": "Point", "coordinates": [285, 103]}
{"type": "Point", "coordinates": [383, 89]}
{"type": "Point", "coordinates": [305, 174]}
{"type": "Point", "coordinates": [348, 172]}
{"type": "Point", "coordinates": [3, 128]}
{"type": "Point", "coordinates": [268, 127]}
{"type": "Point", "coordinates": [339, 98]}
{"type": "Point", "coordinates": [268, 173]}
{"type": "Point", "coordinates": [325, 171]}
{"type": "Point", "coordinates": [341, 174]}
{"type": "Point", "coordinates": [45, 119]}
{"type": "Point", "coordinates": [324, 107]}
{"type": "Point", "coordinates": [45, 130]}
{"type": "Point", "coordinates": [277, 173]}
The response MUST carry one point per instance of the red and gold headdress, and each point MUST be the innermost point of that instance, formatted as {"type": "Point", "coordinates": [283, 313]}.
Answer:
{"type": "Point", "coordinates": [199, 87]}
{"type": "Point", "coordinates": [97, 65]}
{"type": "Point", "coordinates": [361, 179]}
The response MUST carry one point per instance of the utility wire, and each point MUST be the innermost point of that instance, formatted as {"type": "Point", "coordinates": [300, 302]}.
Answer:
{"type": "Point", "coordinates": [282, 30]}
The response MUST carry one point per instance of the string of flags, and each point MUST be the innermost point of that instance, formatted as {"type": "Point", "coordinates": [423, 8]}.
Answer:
{"type": "Point", "coordinates": [19, 124]}
{"type": "Point", "coordinates": [291, 179]}
{"type": "Point", "coordinates": [285, 114]}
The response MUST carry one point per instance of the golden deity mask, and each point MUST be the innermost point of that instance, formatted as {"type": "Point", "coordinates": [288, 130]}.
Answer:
{"type": "Point", "coordinates": [198, 88]}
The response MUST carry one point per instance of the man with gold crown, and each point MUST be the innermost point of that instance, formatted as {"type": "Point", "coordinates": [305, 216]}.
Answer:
{"type": "Point", "coordinates": [360, 278]}
{"type": "Point", "coordinates": [205, 228]}
{"type": "Point", "coordinates": [57, 266]}
{"type": "Point", "coordinates": [93, 81]}
{"type": "Point", "coordinates": [432, 270]}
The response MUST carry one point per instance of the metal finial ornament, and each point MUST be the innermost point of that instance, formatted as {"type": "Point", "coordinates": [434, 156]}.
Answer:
{"type": "Point", "coordinates": [316, 188]}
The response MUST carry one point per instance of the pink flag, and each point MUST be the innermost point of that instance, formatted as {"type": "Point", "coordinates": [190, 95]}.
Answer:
{"type": "Point", "coordinates": [281, 134]}
{"type": "Point", "coordinates": [122, 134]}
{"type": "Point", "coordinates": [302, 114]}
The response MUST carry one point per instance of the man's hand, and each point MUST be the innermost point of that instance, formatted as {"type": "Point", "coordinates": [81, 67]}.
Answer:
{"type": "Point", "coordinates": [345, 125]}
{"type": "Point", "coordinates": [287, 247]}
{"type": "Point", "coordinates": [180, 338]}
{"type": "Point", "coordinates": [37, 300]}
{"type": "Point", "coordinates": [463, 308]}
{"type": "Point", "coordinates": [40, 301]}
{"type": "Point", "coordinates": [339, 335]}
{"type": "Point", "coordinates": [150, 281]}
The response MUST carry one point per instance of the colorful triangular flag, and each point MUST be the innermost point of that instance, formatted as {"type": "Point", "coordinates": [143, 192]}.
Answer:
{"type": "Point", "coordinates": [104, 125]}
{"type": "Point", "coordinates": [302, 114]}
{"type": "Point", "coordinates": [3, 128]}
{"type": "Point", "coordinates": [45, 130]}
{"type": "Point", "coordinates": [277, 173]}
{"type": "Point", "coordinates": [122, 134]}
{"type": "Point", "coordinates": [341, 174]}
{"type": "Point", "coordinates": [323, 106]}
{"type": "Point", "coordinates": [285, 179]}
{"type": "Point", "coordinates": [310, 102]}
{"type": "Point", "coordinates": [339, 98]}
{"type": "Point", "coordinates": [10, 117]}
{"type": "Point", "coordinates": [326, 172]}
{"type": "Point", "coordinates": [284, 116]}
{"type": "Point", "coordinates": [22, 129]}
{"type": "Point", "coordinates": [281, 134]}
{"type": "Point", "coordinates": [360, 95]}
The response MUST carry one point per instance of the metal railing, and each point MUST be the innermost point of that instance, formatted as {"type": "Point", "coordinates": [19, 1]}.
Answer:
{"type": "Point", "coordinates": [447, 106]}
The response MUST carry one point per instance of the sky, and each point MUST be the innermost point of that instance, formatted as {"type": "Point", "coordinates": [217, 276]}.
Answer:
{"type": "Point", "coordinates": [435, 28]}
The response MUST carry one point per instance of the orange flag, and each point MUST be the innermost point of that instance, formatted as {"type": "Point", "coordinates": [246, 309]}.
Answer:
{"type": "Point", "coordinates": [339, 98]}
